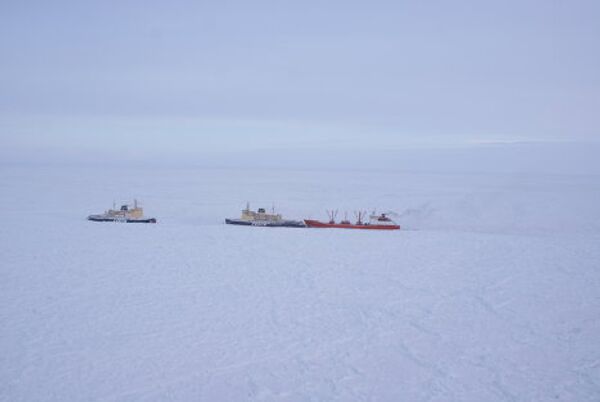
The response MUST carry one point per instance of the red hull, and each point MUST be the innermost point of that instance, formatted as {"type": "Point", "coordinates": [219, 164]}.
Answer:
{"type": "Point", "coordinates": [317, 224]}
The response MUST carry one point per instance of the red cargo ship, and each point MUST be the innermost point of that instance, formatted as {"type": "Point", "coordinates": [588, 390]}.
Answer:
{"type": "Point", "coordinates": [376, 222]}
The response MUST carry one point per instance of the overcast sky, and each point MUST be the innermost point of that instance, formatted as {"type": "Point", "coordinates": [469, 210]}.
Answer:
{"type": "Point", "coordinates": [187, 75]}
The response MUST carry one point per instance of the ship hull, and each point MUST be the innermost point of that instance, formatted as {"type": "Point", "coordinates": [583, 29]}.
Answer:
{"type": "Point", "coordinates": [317, 224]}
{"type": "Point", "coordinates": [237, 222]}
{"type": "Point", "coordinates": [268, 224]}
{"type": "Point", "coordinates": [286, 224]}
{"type": "Point", "coordinates": [94, 218]}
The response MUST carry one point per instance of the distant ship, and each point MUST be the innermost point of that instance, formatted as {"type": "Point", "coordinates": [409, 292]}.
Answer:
{"type": "Point", "coordinates": [125, 214]}
{"type": "Point", "coordinates": [262, 218]}
{"type": "Point", "coordinates": [376, 222]}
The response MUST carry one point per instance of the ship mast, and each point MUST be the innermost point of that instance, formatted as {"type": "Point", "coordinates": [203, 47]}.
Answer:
{"type": "Point", "coordinates": [332, 215]}
{"type": "Point", "coordinates": [346, 221]}
{"type": "Point", "coordinates": [359, 217]}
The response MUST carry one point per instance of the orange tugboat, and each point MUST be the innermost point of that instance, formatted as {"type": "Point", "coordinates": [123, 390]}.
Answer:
{"type": "Point", "coordinates": [376, 222]}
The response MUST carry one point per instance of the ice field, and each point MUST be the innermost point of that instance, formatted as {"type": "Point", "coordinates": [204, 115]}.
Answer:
{"type": "Point", "coordinates": [490, 292]}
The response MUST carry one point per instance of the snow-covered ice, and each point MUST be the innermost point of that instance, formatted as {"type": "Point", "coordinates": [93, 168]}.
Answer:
{"type": "Point", "coordinates": [491, 292]}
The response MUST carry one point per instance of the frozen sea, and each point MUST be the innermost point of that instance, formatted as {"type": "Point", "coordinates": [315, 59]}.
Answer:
{"type": "Point", "coordinates": [490, 292]}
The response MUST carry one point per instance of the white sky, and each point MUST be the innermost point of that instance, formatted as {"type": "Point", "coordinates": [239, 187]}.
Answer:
{"type": "Point", "coordinates": [184, 76]}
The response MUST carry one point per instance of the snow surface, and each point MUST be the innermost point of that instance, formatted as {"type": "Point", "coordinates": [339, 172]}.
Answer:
{"type": "Point", "coordinates": [491, 292]}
